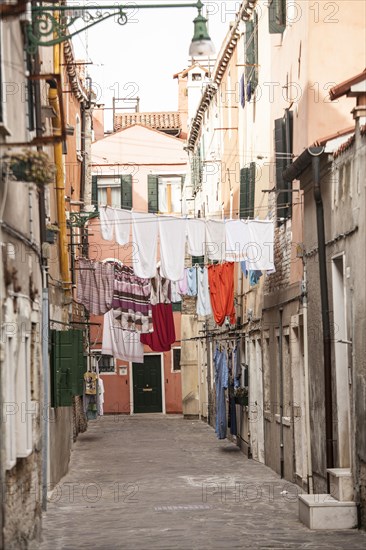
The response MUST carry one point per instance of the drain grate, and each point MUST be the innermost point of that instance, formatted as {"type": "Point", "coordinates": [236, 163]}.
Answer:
{"type": "Point", "coordinates": [183, 507]}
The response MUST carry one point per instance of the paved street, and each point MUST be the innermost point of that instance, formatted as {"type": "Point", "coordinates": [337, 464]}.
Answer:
{"type": "Point", "coordinates": [155, 482]}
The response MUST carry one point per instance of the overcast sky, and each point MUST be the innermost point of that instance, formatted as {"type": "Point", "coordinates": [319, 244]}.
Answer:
{"type": "Point", "coordinates": [141, 57]}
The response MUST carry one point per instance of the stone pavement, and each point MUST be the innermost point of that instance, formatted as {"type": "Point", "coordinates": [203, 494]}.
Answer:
{"type": "Point", "coordinates": [160, 482]}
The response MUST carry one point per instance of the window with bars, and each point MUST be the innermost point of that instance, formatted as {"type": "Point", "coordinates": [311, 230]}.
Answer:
{"type": "Point", "coordinates": [106, 364]}
{"type": "Point", "coordinates": [176, 359]}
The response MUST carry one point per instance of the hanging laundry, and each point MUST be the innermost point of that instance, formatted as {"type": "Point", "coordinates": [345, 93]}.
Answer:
{"type": "Point", "coordinates": [260, 252]}
{"type": "Point", "coordinates": [254, 277]}
{"type": "Point", "coordinates": [215, 240]}
{"type": "Point", "coordinates": [163, 336]}
{"type": "Point", "coordinates": [106, 216]}
{"type": "Point", "coordinates": [145, 238]}
{"type": "Point", "coordinates": [121, 344]}
{"type": "Point", "coordinates": [242, 91]}
{"type": "Point", "coordinates": [160, 290]}
{"type": "Point", "coordinates": [183, 284]}
{"type": "Point", "coordinates": [221, 283]}
{"type": "Point", "coordinates": [176, 297]}
{"type": "Point", "coordinates": [122, 225]}
{"type": "Point", "coordinates": [100, 396]}
{"type": "Point", "coordinates": [131, 300]}
{"type": "Point", "coordinates": [244, 269]}
{"type": "Point", "coordinates": [237, 240]}
{"type": "Point", "coordinates": [196, 234]}
{"type": "Point", "coordinates": [203, 293]}
{"type": "Point", "coordinates": [191, 281]}
{"type": "Point", "coordinates": [172, 232]}
{"type": "Point", "coordinates": [221, 382]}
{"type": "Point", "coordinates": [95, 285]}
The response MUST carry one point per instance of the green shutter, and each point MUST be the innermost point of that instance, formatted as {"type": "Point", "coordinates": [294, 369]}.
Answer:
{"type": "Point", "coordinates": [198, 260]}
{"type": "Point", "coordinates": [68, 365]}
{"type": "Point", "coordinates": [152, 193]}
{"type": "Point", "coordinates": [277, 16]}
{"type": "Point", "coordinates": [251, 51]}
{"type": "Point", "coordinates": [247, 191]}
{"type": "Point", "coordinates": [177, 306]}
{"type": "Point", "coordinates": [61, 368]}
{"type": "Point", "coordinates": [283, 151]}
{"type": "Point", "coordinates": [95, 191]}
{"type": "Point", "coordinates": [126, 192]}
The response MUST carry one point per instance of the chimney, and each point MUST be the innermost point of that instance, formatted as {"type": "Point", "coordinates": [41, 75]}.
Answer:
{"type": "Point", "coordinates": [98, 122]}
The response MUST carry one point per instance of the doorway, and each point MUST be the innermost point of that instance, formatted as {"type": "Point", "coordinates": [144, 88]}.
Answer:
{"type": "Point", "coordinates": [147, 391]}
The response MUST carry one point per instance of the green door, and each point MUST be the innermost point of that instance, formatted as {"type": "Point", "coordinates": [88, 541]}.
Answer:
{"type": "Point", "coordinates": [147, 395]}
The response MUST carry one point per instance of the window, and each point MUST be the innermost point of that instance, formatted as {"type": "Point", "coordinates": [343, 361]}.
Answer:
{"type": "Point", "coordinates": [196, 76]}
{"type": "Point", "coordinates": [247, 191]}
{"type": "Point", "coordinates": [112, 191]}
{"type": "Point", "coordinates": [176, 359]}
{"type": "Point", "coordinates": [251, 52]}
{"type": "Point", "coordinates": [198, 260]}
{"type": "Point", "coordinates": [106, 364]}
{"type": "Point", "coordinates": [283, 150]}
{"type": "Point", "coordinates": [196, 170]}
{"type": "Point", "coordinates": [276, 16]}
{"type": "Point", "coordinates": [165, 194]}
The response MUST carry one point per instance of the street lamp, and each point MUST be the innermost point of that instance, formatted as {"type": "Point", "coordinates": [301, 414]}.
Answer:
{"type": "Point", "coordinates": [50, 25]}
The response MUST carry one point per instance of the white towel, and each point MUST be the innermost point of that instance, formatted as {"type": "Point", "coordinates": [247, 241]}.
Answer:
{"type": "Point", "coordinates": [121, 344]}
{"type": "Point", "coordinates": [215, 240]}
{"type": "Point", "coordinates": [122, 224]}
{"type": "Point", "coordinates": [260, 249]}
{"type": "Point", "coordinates": [237, 240]}
{"type": "Point", "coordinates": [196, 233]}
{"type": "Point", "coordinates": [145, 239]}
{"type": "Point", "coordinates": [106, 215]}
{"type": "Point", "coordinates": [203, 293]}
{"type": "Point", "coordinates": [172, 233]}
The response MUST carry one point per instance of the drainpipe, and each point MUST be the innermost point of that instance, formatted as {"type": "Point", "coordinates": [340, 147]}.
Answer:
{"type": "Point", "coordinates": [315, 152]}
{"type": "Point", "coordinates": [60, 176]}
{"type": "Point", "coordinates": [280, 361]}
{"type": "Point", "coordinates": [306, 381]}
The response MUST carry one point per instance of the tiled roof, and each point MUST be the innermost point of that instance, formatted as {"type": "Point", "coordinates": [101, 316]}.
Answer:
{"type": "Point", "coordinates": [158, 121]}
{"type": "Point", "coordinates": [348, 144]}
{"type": "Point", "coordinates": [344, 87]}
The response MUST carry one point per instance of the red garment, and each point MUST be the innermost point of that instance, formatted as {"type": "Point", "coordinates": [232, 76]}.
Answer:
{"type": "Point", "coordinates": [221, 282]}
{"type": "Point", "coordinates": [164, 331]}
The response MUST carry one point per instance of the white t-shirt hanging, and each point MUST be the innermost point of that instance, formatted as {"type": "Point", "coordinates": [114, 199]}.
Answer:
{"type": "Point", "coordinates": [122, 224]}
{"type": "Point", "coordinates": [237, 240]}
{"type": "Point", "coordinates": [215, 240]}
{"type": "Point", "coordinates": [145, 240]}
{"type": "Point", "coordinates": [196, 234]}
{"type": "Point", "coordinates": [172, 232]}
{"type": "Point", "coordinates": [260, 250]}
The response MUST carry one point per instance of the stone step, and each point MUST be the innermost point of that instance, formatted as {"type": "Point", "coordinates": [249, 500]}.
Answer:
{"type": "Point", "coordinates": [325, 512]}
{"type": "Point", "coordinates": [341, 484]}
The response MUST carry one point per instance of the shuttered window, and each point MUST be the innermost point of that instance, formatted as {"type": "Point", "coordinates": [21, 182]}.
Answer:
{"type": "Point", "coordinates": [198, 260]}
{"type": "Point", "coordinates": [153, 193]}
{"type": "Point", "coordinates": [276, 16]}
{"type": "Point", "coordinates": [251, 52]}
{"type": "Point", "coordinates": [247, 191]}
{"type": "Point", "coordinates": [126, 192]}
{"type": "Point", "coordinates": [95, 192]}
{"type": "Point", "coordinates": [68, 365]}
{"type": "Point", "coordinates": [283, 150]}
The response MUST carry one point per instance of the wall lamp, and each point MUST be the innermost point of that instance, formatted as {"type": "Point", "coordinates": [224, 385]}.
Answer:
{"type": "Point", "coordinates": [51, 24]}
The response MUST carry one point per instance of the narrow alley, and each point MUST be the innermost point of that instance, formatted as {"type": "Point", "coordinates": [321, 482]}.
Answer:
{"type": "Point", "coordinates": [162, 482]}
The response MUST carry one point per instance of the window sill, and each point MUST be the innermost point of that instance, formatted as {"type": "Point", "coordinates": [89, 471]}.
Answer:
{"type": "Point", "coordinates": [286, 420]}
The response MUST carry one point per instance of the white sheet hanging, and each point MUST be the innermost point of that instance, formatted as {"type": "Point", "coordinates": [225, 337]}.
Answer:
{"type": "Point", "coordinates": [260, 249]}
{"type": "Point", "coordinates": [215, 240]}
{"type": "Point", "coordinates": [196, 233]}
{"type": "Point", "coordinates": [203, 293]}
{"type": "Point", "coordinates": [122, 224]}
{"type": "Point", "coordinates": [121, 344]}
{"type": "Point", "coordinates": [237, 240]}
{"type": "Point", "coordinates": [145, 238]}
{"type": "Point", "coordinates": [172, 233]}
{"type": "Point", "coordinates": [106, 214]}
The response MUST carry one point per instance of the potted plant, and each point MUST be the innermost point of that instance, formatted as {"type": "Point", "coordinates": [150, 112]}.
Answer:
{"type": "Point", "coordinates": [31, 166]}
{"type": "Point", "coordinates": [241, 396]}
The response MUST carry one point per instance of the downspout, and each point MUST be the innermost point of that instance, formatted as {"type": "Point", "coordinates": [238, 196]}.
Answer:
{"type": "Point", "coordinates": [306, 381]}
{"type": "Point", "coordinates": [315, 152]}
{"type": "Point", "coordinates": [280, 361]}
{"type": "Point", "coordinates": [60, 176]}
